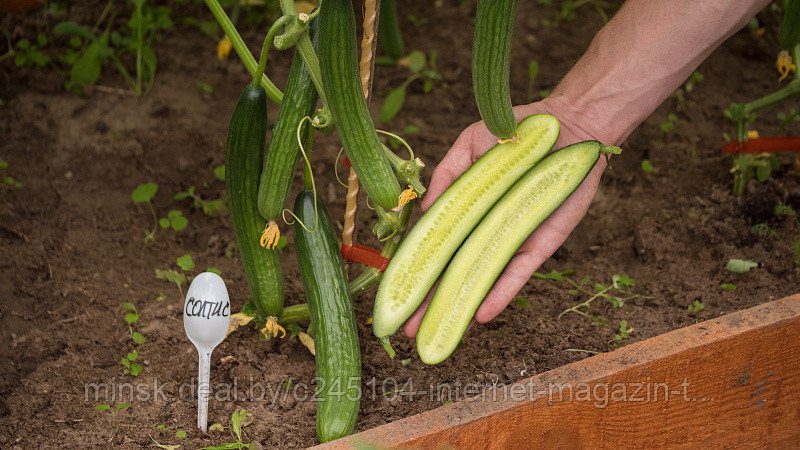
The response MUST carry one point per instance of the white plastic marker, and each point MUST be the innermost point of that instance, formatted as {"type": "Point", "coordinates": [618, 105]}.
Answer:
{"type": "Point", "coordinates": [206, 317]}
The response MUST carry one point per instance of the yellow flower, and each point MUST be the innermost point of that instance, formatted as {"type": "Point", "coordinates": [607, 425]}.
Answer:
{"type": "Point", "coordinates": [272, 329]}
{"type": "Point", "coordinates": [270, 236]}
{"type": "Point", "coordinates": [405, 197]}
{"type": "Point", "coordinates": [784, 64]}
{"type": "Point", "coordinates": [224, 48]}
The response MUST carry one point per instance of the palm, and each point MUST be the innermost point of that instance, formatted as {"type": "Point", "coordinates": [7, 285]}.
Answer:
{"type": "Point", "coordinates": [470, 145]}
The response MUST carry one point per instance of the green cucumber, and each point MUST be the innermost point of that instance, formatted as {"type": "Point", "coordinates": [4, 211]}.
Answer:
{"type": "Point", "coordinates": [300, 99]}
{"type": "Point", "coordinates": [434, 239]}
{"type": "Point", "coordinates": [244, 156]}
{"type": "Point", "coordinates": [334, 325]}
{"type": "Point", "coordinates": [487, 250]}
{"type": "Point", "coordinates": [491, 61]}
{"type": "Point", "coordinates": [789, 33]}
{"type": "Point", "coordinates": [339, 66]}
{"type": "Point", "coordinates": [389, 35]}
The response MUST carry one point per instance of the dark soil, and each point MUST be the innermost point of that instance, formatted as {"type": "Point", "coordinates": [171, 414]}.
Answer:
{"type": "Point", "coordinates": [72, 249]}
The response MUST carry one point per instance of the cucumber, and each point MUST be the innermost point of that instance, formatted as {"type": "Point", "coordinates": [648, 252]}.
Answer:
{"type": "Point", "coordinates": [339, 66]}
{"type": "Point", "coordinates": [244, 155]}
{"type": "Point", "coordinates": [789, 33]}
{"type": "Point", "coordinates": [334, 325]}
{"type": "Point", "coordinates": [300, 99]}
{"type": "Point", "coordinates": [491, 61]}
{"type": "Point", "coordinates": [434, 239]}
{"type": "Point", "coordinates": [389, 35]}
{"type": "Point", "coordinates": [487, 250]}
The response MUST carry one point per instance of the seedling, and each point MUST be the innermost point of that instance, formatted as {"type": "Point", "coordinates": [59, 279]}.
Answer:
{"type": "Point", "coordinates": [113, 411]}
{"type": "Point", "coordinates": [694, 310]}
{"type": "Point", "coordinates": [647, 166]}
{"type": "Point", "coordinates": [669, 125]}
{"type": "Point", "coordinates": [418, 22]}
{"type": "Point", "coordinates": [788, 118]}
{"type": "Point", "coordinates": [616, 294]}
{"type": "Point", "coordinates": [522, 302]}
{"type": "Point", "coordinates": [219, 172]}
{"type": "Point", "coordinates": [8, 182]}
{"type": "Point", "coordinates": [179, 434]}
{"type": "Point", "coordinates": [728, 286]}
{"type": "Point", "coordinates": [211, 208]}
{"type": "Point", "coordinates": [567, 12]}
{"type": "Point", "coordinates": [30, 54]}
{"type": "Point", "coordinates": [749, 166]}
{"type": "Point", "coordinates": [687, 87]}
{"type": "Point", "coordinates": [239, 420]}
{"type": "Point", "coordinates": [764, 230]}
{"type": "Point", "coordinates": [624, 331]}
{"type": "Point", "coordinates": [421, 69]}
{"type": "Point", "coordinates": [144, 193]}
{"type": "Point", "coordinates": [186, 264]}
{"type": "Point", "coordinates": [131, 367]}
{"type": "Point", "coordinates": [205, 87]}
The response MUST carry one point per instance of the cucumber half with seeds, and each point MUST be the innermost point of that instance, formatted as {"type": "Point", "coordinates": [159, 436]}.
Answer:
{"type": "Point", "coordinates": [487, 250]}
{"type": "Point", "coordinates": [435, 238]}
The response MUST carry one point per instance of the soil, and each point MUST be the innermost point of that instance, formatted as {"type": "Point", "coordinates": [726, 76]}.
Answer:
{"type": "Point", "coordinates": [72, 247]}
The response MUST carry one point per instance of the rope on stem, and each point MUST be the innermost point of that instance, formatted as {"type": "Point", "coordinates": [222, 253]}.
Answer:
{"type": "Point", "coordinates": [366, 67]}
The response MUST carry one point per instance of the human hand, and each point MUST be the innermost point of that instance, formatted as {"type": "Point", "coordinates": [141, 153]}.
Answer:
{"type": "Point", "coordinates": [473, 142]}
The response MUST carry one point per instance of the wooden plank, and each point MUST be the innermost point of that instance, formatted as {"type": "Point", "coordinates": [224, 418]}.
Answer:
{"type": "Point", "coordinates": [730, 381]}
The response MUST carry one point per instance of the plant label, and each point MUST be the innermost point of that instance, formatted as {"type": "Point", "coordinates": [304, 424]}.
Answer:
{"type": "Point", "coordinates": [206, 317]}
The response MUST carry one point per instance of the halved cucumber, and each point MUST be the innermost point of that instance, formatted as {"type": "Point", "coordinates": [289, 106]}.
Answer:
{"type": "Point", "coordinates": [487, 250]}
{"type": "Point", "coordinates": [435, 238]}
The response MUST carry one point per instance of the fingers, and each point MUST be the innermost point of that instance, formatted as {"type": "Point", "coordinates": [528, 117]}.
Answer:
{"type": "Point", "coordinates": [411, 326]}
{"type": "Point", "coordinates": [539, 246]}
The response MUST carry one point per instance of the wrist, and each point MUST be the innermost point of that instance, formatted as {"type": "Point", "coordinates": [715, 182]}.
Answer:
{"type": "Point", "coordinates": [583, 119]}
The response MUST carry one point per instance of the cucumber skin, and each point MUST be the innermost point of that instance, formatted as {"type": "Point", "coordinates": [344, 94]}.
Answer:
{"type": "Point", "coordinates": [427, 248]}
{"type": "Point", "coordinates": [491, 64]}
{"type": "Point", "coordinates": [789, 32]}
{"type": "Point", "coordinates": [244, 153]}
{"type": "Point", "coordinates": [338, 354]}
{"type": "Point", "coordinates": [389, 35]}
{"type": "Point", "coordinates": [488, 249]}
{"type": "Point", "coordinates": [300, 99]}
{"type": "Point", "coordinates": [339, 66]}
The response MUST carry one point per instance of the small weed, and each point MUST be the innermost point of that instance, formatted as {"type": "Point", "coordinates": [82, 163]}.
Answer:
{"type": "Point", "coordinates": [764, 230]}
{"type": "Point", "coordinates": [749, 166]}
{"type": "Point", "coordinates": [144, 193]}
{"type": "Point", "coordinates": [219, 172]}
{"type": "Point", "coordinates": [788, 118]}
{"type": "Point", "coordinates": [179, 434]}
{"type": "Point", "coordinates": [8, 182]}
{"type": "Point", "coordinates": [423, 69]}
{"type": "Point", "coordinates": [624, 331]}
{"type": "Point", "coordinates": [647, 166]}
{"type": "Point", "coordinates": [522, 302]}
{"type": "Point", "coordinates": [186, 264]}
{"type": "Point", "coordinates": [113, 411]}
{"type": "Point", "coordinates": [694, 310]}
{"type": "Point", "coordinates": [239, 420]}
{"type": "Point", "coordinates": [205, 87]}
{"type": "Point", "coordinates": [669, 125]}
{"type": "Point", "coordinates": [687, 87]}
{"type": "Point", "coordinates": [567, 10]}
{"type": "Point", "coordinates": [30, 54]}
{"type": "Point", "coordinates": [418, 22]}
{"type": "Point", "coordinates": [728, 286]}
{"type": "Point", "coordinates": [211, 208]}
{"type": "Point", "coordinates": [131, 367]}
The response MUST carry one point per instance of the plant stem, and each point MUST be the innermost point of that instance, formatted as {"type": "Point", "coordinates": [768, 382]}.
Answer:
{"type": "Point", "coordinates": [262, 62]}
{"type": "Point", "coordinates": [138, 13]}
{"type": "Point", "coordinates": [225, 23]}
{"type": "Point", "coordinates": [306, 49]}
{"type": "Point", "coordinates": [296, 313]}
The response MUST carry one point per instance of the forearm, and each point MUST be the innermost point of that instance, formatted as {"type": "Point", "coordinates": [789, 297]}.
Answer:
{"type": "Point", "coordinates": [642, 55]}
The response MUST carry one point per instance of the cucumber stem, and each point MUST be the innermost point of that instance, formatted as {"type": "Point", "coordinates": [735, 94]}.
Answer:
{"type": "Point", "coordinates": [227, 26]}
{"type": "Point", "coordinates": [388, 347]}
{"type": "Point", "coordinates": [262, 61]}
{"type": "Point", "coordinates": [306, 49]}
{"type": "Point", "coordinates": [295, 313]}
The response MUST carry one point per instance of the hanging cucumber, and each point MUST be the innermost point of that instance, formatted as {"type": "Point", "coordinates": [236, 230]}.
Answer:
{"type": "Point", "coordinates": [429, 245]}
{"type": "Point", "coordinates": [488, 249]}
{"type": "Point", "coordinates": [335, 334]}
{"type": "Point", "coordinates": [789, 33]}
{"type": "Point", "coordinates": [491, 60]}
{"type": "Point", "coordinates": [348, 107]}
{"type": "Point", "coordinates": [389, 35]}
{"type": "Point", "coordinates": [300, 99]}
{"type": "Point", "coordinates": [244, 153]}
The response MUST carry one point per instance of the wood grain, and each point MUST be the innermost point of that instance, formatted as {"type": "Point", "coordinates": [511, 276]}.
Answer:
{"type": "Point", "coordinates": [730, 381]}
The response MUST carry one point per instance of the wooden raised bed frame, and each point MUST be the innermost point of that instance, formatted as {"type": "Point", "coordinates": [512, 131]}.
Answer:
{"type": "Point", "coordinates": [741, 372]}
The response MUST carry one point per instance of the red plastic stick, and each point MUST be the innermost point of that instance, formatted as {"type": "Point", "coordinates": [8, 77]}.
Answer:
{"type": "Point", "coordinates": [365, 255]}
{"type": "Point", "coordinates": [346, 162]}
{"type": "Point", "coordinates": [763, 145]}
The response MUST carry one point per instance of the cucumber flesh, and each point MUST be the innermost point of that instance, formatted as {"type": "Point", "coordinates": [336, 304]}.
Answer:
{"type": "Point", "coordinates": [489, 248]}
{"type": "Point", "coordinates": [435, 238]}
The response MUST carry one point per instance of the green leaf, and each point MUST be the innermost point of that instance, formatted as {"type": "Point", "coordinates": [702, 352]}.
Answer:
{"type": "Point", "coordinates": [522, 302]}
{"type": "Point", "coordinates": [137, 338]}
{"type": "Point", "coordinates": [622, 281]}
{"type": "Point", "coordinates": [132, 355]}
{"type": "Point", "coordinates": [131, 318]}
{"type": "Point", "coordinates": [149, 62]}
{"type": "Point", "coordinates": [213, 270]}
{"type": "Point", "coordinates": [180, 434]}
{"type": "Point", "coordinates": [127, 306]}
{"type": "Point", "coordinates": [171, 276]}
{"type": "Point", "coordinates": [144, 192]}
{"type": "Point", "coordinates": [23, 44]}
{"type": "Point", "coordinates": [416, 61]}
{"type": "Point", "coordinates": [163, 222]}
{"type": "Point", "coordinates": [73, 28]}
{"type": "Point", "coordinates": [162, 427]}
{"type": "Point", "coordinates": [123, 406]}
{"type": "Point", "coordinates": [205, 87]}
{"type": "Point", "coordinates": [102, 407]}
{"type": "Point", "coordinates": [185, 262]}
{"type": "Point", "coordinates": [214, 208]}
{"type": "Point", "coordinates": [393, 103]}
{"type": "Point", "coordinates": [647, 167]}
{"type": "Point", "coordinates": [554, 275]}
{"type": "Point", "coordinates": [125, 362]}
{"type": "Point", "coordinates": [216, 427]}
{"type": "Point", "coordinates": [411, 129]}
{"type": "Point", "coordinates": [762, 172]}
{"type": "Point", "coordinates": [179, 223]}
{"type": "Point", "coordinates": [740, 265]}
{"type": "Point", "coordinates": [175, 213]}
{"type": "Point", "coordinates": [41, 39]}
{"type": "Point", "coordinates": [219, 172]}
{"type": "Point", "coordinates": [728, 286]}
{"type": "Point", "coordinates": [86, 69]}
{"type": "Point", "coordinates": [3, 164]}
{"type": "Point", "coordinates": [282, 242]}
{"type": "Point", "coordinates": [180, 196]}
